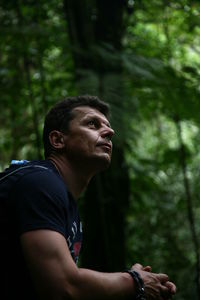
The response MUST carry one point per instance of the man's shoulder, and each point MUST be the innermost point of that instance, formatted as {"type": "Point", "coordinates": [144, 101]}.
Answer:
{"type": "Point", "coordinates": [39, 171]}
{"type": "Point", "coordinates": [20, 170]}
{"type": "Point", "coordinates": [39, 179]}
{"type": "Point", "coordinates": [23, 166]}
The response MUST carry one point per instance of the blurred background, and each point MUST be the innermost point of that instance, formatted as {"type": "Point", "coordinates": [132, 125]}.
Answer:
{"type": "Point", "coordinates": [142, 57]}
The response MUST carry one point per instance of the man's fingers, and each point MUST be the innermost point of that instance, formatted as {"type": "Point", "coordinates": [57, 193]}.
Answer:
{"type": "Point", "coordinates": [168, 290]}
{"type": "Point", "coordinates": [147, 269]}
{"type": "Point", "coordinates": [171, 286]}
{"type": "Point", "coordinates": [165, 292]}
{"type": "Point", "coordinates": [137, 266]}
{"type": "Point", "coordinates": [163, 278]}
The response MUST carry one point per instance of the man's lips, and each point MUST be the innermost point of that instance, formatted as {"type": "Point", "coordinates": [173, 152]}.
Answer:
{"type": "Point", "coordinates": [106, 145]}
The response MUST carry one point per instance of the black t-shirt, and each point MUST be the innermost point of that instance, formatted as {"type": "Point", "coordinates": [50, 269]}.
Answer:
{"type": "Point", "coordinates": [32, 196]}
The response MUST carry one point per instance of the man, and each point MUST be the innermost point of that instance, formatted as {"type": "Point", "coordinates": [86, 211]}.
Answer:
{"type": "Point", "coordinates": [40, 225]}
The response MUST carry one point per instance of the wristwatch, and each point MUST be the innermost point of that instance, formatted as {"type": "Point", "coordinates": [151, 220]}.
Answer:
{"type": "Point", "coordinates": [140, 294]}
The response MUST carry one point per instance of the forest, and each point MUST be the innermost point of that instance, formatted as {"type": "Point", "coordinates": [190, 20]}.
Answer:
{"type": "Point", "coordinates": [143, 58]}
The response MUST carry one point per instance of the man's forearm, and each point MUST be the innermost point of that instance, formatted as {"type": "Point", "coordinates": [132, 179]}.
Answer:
{"type": "Point", "coordinates": [89, 284]}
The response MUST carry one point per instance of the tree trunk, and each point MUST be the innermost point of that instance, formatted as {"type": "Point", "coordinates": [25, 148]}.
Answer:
{"type": "Point", "coordinates": [95, 30]}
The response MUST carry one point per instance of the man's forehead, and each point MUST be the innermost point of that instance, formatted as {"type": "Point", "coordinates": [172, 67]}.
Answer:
{"type": "Point", "coordinates": [87, 111]}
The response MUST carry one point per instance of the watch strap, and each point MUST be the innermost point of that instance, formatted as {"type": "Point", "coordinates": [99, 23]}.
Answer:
{"type": "Point", "coordinates": [140, 293]}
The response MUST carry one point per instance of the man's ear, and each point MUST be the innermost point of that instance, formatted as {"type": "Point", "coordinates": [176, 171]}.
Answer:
{"type": "Point", "coordinates": [56, 139]}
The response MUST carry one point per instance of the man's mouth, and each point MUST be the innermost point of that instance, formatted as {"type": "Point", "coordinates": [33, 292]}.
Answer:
{"type": "Point", "coordinates": [105, 145]}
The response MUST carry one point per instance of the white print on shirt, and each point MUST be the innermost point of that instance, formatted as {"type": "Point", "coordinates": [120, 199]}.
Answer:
{"type": "Point", "coordinates": [74, 231]}
{"type": "Point", "coordinates": [81, 227]}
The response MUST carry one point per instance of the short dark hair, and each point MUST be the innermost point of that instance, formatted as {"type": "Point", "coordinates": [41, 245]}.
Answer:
{"type": "Point", "coordinates": [60, 115]}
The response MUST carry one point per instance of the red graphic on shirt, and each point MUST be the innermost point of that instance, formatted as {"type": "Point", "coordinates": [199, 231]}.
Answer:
{"type": "Point", "coordinates": [77, 248]}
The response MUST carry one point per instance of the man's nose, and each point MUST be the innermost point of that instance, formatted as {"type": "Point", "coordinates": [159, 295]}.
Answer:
{"type": "Point", "coordinates": [107, 132]}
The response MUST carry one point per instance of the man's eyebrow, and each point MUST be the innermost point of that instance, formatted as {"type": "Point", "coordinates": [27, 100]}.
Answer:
{"type": "Point", "coordinates": [106, 122]}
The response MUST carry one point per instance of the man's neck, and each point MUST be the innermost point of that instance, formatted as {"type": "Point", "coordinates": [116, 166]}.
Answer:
{"type": "Point", "coordinates": [75, 179]}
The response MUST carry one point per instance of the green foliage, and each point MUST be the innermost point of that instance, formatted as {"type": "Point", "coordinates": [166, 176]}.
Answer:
{"type": "Point", "coordinates": [157, 220]}
{"type": "Point", "coordinates": [163, 76]}
{"type": "Point", "coordinates": [35, 72]}
{"type": "Point", "coordinates": [152, 85]}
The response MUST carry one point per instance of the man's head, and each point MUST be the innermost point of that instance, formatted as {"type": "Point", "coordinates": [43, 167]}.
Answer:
{"type": "Point", "coordinates": [60, 116]}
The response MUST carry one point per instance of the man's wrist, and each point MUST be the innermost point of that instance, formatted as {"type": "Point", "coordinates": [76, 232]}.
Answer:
{"type": "Point", "coordinates": [140, 293]}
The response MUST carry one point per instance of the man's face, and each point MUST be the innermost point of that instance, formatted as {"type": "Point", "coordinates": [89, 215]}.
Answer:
{"type": "Point", "coordinates": [88, 141]}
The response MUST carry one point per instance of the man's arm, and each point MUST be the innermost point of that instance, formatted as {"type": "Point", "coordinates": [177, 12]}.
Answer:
{"type": "Point", "coordinates": [56, 276]}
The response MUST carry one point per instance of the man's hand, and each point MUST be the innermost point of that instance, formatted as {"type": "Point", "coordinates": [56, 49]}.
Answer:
{"type": "Point", "coordinates": [157, 286]}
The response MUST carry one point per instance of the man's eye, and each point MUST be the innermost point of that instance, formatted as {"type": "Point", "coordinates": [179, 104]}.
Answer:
{"type": "Point", "coordinates": [92, 123]}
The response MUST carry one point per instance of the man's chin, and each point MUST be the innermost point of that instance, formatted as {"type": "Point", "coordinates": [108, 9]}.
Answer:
{"type": "Point", "coordinates": [103, 162]}
{"type": "Point", "coordinates": [98, 163]}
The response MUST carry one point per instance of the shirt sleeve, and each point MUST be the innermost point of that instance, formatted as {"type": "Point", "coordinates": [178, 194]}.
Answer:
{"type": "Point", "coordinates": [40, 201]}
